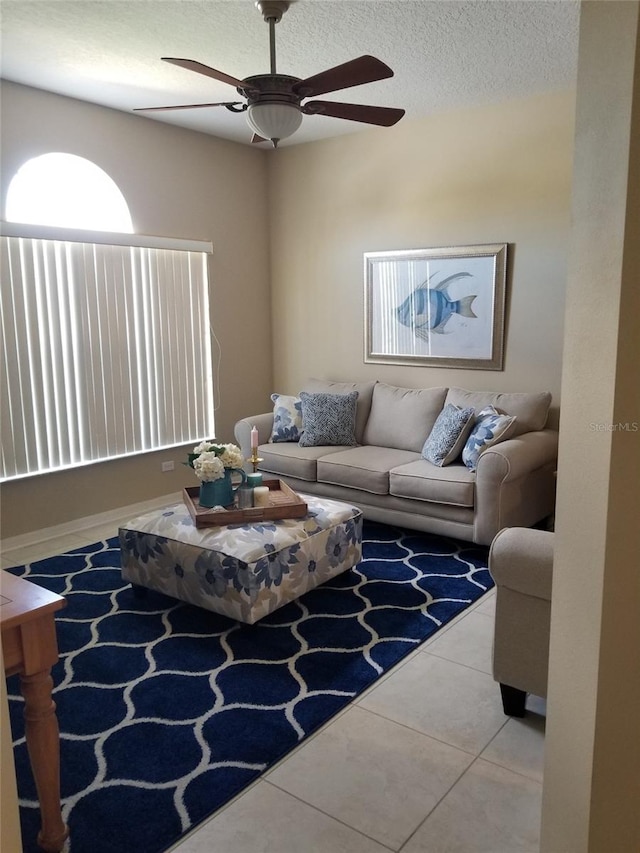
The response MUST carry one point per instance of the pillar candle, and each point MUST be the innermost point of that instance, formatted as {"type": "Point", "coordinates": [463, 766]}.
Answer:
{"type": "Point", "coordinates": [261, 496]}
{"type": "Point", "coordinates": [254, 438]}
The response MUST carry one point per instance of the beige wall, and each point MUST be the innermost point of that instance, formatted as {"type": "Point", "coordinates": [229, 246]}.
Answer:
{"type": "Point", "coordinates": [178, 183]}
{"type": "Point", "coordinates": [487, 175]}
{"type": "Point", "coordinates": [592, 750]}
{"type": "Point", "coordinates": [297, 221]}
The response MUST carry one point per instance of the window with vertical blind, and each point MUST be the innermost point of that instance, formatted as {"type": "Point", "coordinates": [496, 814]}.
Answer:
{"type": "Point", "coordinates": [105, 347]}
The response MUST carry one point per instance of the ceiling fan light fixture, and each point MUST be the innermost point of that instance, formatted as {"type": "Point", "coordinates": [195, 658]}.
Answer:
{"type": "Point", "coordinates": [274, 121]}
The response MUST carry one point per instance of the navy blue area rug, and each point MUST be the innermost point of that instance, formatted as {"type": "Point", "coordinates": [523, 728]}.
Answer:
{"type": "Point", "coordinates": [167, 711]}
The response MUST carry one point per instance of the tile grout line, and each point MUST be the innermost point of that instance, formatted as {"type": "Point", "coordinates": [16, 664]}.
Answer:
{"type": "Point", "coordinates": [331, 817]}
{"type": "Point", "coordinates": [409, 728]}
{"type": "Point", "coordinates": [435, 806]}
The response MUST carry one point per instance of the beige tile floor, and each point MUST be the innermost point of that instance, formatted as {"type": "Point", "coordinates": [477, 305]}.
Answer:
{"type": "Point", "coordinates": [423, 762]}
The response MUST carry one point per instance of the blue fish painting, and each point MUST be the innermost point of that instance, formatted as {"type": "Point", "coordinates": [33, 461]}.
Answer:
{"type": "Point", "coordinates": [429, 309]}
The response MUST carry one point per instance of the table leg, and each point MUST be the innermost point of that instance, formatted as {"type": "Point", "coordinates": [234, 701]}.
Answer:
{"type": "Point", "coordinates": [43, 744]}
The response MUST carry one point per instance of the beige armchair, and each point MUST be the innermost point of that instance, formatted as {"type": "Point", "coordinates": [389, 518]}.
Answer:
{"type": "Point", "coordinates": [521, 564]}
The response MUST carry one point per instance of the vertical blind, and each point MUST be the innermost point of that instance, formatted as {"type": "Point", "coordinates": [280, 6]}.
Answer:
{"type": "Point", "coordinates": [106, 352]}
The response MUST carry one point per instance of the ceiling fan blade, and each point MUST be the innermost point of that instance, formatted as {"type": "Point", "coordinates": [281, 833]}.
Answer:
{"type": "Point", "coordinates": [383, 116]}
{"type": "Point", "coordinates": [186, 106]}
{"type": "Point", "coordinates": [364, 69]}
{"type": "Point", "coordinates": [192, 65]}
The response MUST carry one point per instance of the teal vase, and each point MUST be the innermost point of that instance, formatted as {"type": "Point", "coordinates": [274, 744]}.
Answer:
{"type": "Point", "coordinates": [220, 492]}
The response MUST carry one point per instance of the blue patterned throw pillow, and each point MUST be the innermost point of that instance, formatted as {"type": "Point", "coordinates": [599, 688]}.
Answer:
{"type": "Point", "coordinates": [287, 418]}
{"type": "Point", "coordinates": [328, 419]}
{"type": "Point", "coordinates": [490, 427]}
{"type": "Point", "coordinates": [448, 436]}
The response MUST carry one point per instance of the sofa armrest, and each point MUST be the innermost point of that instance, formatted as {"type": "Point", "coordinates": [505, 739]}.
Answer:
{"type": "Point", "coordinates": [521, 559]}
{"type": "Point", "coordinates": [242, 431]}
{"type": "Point", "coordinates": [521, 563]}
{"type": "Point", "coordinates": [515, 483]}
{"type": "Point", "coordinates": [516, 457]}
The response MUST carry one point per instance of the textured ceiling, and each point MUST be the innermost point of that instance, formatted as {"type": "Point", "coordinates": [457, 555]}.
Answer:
{"type": "Point", "coordinates": [444, 54]}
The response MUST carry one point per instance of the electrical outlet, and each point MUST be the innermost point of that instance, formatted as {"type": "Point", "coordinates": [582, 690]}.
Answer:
{"type": "Point", "coordinates": [167, 466]}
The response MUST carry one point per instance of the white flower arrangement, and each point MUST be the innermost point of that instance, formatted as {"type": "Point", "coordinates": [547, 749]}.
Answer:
{"type": "Point", "coordinates": [210, 459]}
{"type": "Point", "coordinates": [232, 456]}
{"type": "Point", "coordinates": [208, 467]}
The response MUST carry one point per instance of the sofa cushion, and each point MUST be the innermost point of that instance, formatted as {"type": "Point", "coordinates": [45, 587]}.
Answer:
{"type": "Point", "coordinates": [328, 419]}
{"type": "Point", "coordinates": [490, 427]}
{"type": "Point", "coordinates": [402, 418]}
{"type": "Point", "coordinates": [366, 468]}
{"type": "Point", "coordinates": [291, 460]}
{"type": "Point", "coordinates": [420, 480]}
{"type": "Point", "coordinates": [449, 434]}
{"type": "Point", "coordinates": [287, 418]}
{"type": "Point", "coordinates": [530, 409]}
{"type": "Point", "coordinates": [365, 392]}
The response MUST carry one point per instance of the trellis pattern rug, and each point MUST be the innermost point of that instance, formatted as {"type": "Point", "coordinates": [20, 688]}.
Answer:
{"type": "Point", "coordinates": [166, 711]}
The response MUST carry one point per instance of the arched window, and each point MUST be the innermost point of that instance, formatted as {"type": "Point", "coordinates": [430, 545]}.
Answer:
{"type": "Point", "coordinates": [67, 191]}
{"type": "Point", "coordinates": [105, 333]}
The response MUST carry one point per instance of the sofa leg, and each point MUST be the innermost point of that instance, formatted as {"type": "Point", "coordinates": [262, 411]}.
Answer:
{"type": "Point", "coordinates": [513, 700]}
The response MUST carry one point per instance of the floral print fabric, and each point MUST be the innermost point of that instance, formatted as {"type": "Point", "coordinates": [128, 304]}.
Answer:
{"type": "Point", "coordinates": [243, 571]}
{"type": "Point", "coordinates": [287, 418]}
{"type": "Point", "coordinates": [489, 428]}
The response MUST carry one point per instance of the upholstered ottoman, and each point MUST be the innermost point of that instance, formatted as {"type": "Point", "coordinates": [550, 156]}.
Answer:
{"type": "Point", "coordinates": [243, 571]}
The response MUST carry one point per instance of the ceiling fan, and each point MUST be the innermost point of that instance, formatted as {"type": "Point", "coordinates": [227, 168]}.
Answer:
{"type": "Point", "coordinates": [274, 105]}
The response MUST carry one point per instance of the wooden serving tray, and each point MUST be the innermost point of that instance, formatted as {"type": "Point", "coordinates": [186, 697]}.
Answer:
{"type": "Point", "coordinates": [283, 503]}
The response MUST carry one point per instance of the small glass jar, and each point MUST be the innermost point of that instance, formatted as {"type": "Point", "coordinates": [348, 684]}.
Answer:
{"type": "Point", "coordinates": [245, 496]}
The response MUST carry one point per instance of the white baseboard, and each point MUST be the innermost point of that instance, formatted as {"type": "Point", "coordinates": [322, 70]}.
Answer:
{"type": "Point", "coordinates": [79, 524]}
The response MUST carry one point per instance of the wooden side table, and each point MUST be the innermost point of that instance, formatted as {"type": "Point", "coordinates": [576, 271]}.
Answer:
{"type": "Point", "coordinates": [30, 648]}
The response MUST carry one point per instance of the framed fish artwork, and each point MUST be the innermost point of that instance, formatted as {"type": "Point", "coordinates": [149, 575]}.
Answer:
{"type": "Point", "coordinates": [436, 307]}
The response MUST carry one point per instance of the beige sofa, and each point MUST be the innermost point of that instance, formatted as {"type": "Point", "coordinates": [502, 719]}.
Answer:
{"type": "Point", "coordinates": [386, 476]}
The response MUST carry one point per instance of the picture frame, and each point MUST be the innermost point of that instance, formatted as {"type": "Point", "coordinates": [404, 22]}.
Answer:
{"type": "Point", "coordinates": [441, 307]}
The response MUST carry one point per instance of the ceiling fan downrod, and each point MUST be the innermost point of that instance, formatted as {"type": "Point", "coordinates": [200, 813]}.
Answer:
{"type": "Point", "coordinates": [272, 12]}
